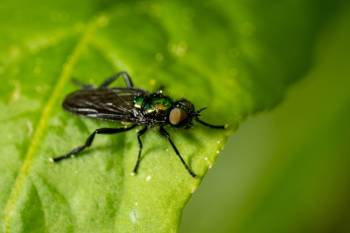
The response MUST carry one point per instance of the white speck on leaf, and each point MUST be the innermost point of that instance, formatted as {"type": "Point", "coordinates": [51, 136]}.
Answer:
{"type": "Point", "coordinates": [179, 49]}
{"type": "Point", "coordinates": [148, 178]}
{"type": "Point", "coordinates": [133, 216]}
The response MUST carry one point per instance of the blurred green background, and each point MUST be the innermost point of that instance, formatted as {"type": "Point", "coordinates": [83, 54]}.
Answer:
{"type": "Point", "coordinates": [288, 170]}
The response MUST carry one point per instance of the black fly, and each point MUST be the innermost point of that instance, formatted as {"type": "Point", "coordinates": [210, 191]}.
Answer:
{"type": "Point", "coordinates": [133, 105]}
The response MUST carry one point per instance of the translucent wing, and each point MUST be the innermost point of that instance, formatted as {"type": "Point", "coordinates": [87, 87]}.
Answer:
{"type": "Point", "coordinates": [110, 104]}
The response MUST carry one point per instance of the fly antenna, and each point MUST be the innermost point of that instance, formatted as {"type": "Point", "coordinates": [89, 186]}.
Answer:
{"type": "Point", "coordinates": [200, 110]}
{"type": "Point", "coordinates": [209, 125]}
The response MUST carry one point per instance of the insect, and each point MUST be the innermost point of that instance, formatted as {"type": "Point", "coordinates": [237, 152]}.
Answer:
{"type": "Point", "coordinates": [135, 106]}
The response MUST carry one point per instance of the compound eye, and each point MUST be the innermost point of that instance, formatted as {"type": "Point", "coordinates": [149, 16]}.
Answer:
{"type": "Point", "coordinates": [177, 115]}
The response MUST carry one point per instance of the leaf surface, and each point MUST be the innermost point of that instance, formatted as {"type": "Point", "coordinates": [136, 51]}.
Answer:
{"type": "Point", "coordinates": [235, 57]}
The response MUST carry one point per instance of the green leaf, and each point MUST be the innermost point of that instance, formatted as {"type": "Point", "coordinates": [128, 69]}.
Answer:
{"type": "Point", "coordinates": [235, 57]}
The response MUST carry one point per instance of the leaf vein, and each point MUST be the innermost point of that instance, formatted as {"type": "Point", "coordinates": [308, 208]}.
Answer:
{"type": "Point", "coordinates": [44, 119]}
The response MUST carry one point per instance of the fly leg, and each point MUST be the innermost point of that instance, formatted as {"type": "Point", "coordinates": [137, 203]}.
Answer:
{"type": "Point", "coordinates": [166, 134]}
{"type": "Point", "coordinates": [90, 140]}
{"type": "Point", "coordinates": [82, 85]}
{"type": "Point", "coordinates": [139, 134]}
{"type": "Point", "coordinates": [124, 74]}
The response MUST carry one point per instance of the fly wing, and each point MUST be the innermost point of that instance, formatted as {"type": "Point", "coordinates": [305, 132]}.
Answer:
{"type": "Point", "coordinates": [111, 104]}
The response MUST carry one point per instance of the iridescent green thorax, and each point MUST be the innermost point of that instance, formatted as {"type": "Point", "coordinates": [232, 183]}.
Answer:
{"type": "Point", "coordinates": [153, 104]}
{"type": "Point", "coordinates": [158, 104]}
{"type": "Point", "coordinates": [138, 101]}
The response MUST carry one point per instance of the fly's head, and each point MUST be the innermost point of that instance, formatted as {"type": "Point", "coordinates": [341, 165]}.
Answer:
{"type": "Point", "coordinates": [182, 114]}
